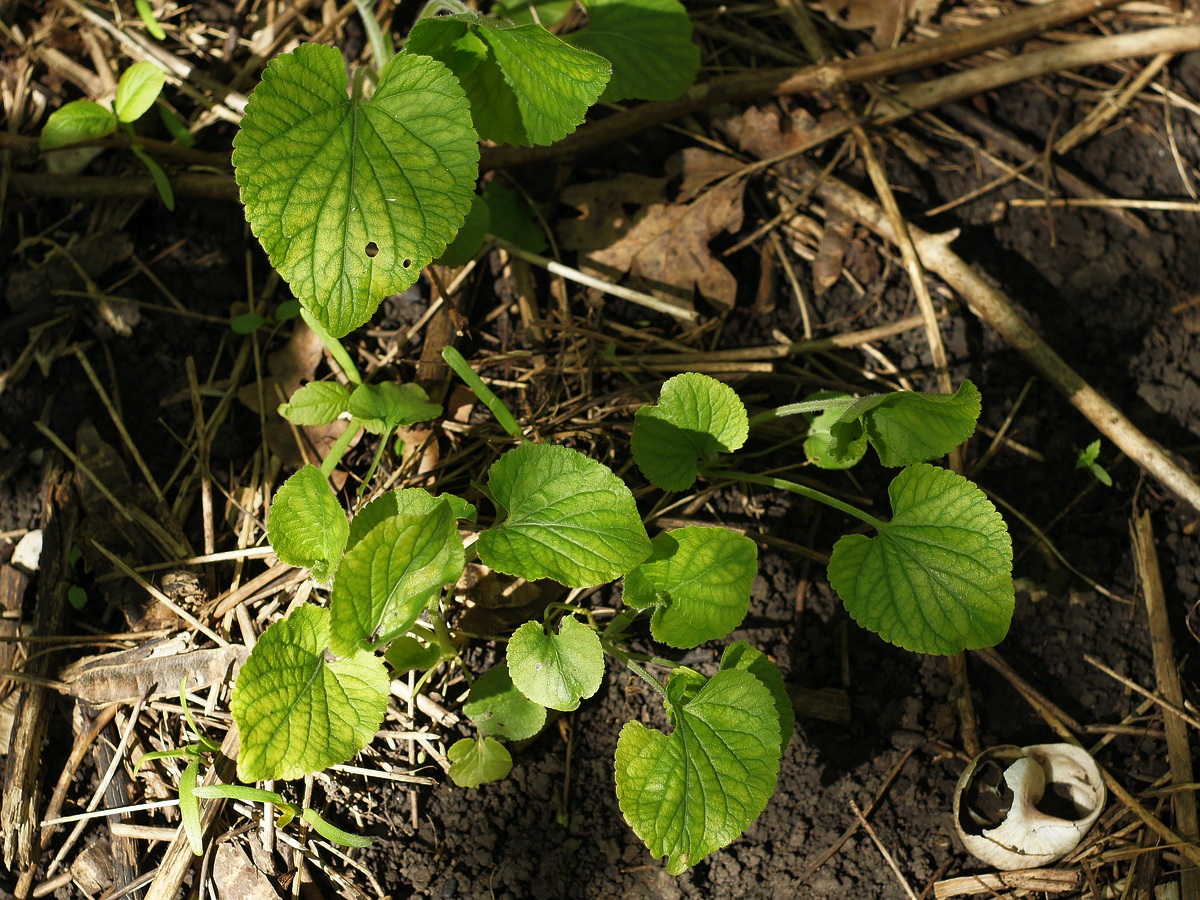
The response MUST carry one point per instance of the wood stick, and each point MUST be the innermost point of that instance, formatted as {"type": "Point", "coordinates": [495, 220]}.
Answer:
{"type": "Point", "coordinates": [1178, 745]}
{"type": "Point", "coordinates": [996, 310]}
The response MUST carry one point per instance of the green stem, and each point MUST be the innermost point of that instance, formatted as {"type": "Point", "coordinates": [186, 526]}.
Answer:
{"type": "Point", "coordinates": [334, 346]}
{"type": "Point", "coordinates": [803, 491]}
{"type": "Point", "coordinates": [366, 482]}
{"type": "Point", "coordinates": [338, 450]}
{"type": "Point", "coordinates": [648, 678]}
{"type": "Point", "coordinates": [463, 370]}
{"type": "Point", "coordinates": [381, 44]}
{"type": "Point", "coordinates": [808, 406]}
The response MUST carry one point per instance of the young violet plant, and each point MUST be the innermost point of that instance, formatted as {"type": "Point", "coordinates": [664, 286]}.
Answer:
{"type": "Point", "coordinates": [87, 120]}
{"type": "Point", "coordinates": [353, 185]}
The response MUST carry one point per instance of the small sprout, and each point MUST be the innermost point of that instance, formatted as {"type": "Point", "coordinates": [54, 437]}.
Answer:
{"type": "Point", "coordinates": [1087, 460]}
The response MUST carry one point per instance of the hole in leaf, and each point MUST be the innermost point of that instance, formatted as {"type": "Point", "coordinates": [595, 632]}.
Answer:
{"type": "Point", "coordinates": [372, 249]}
{"type": "Point", "coordinates": [406, 263]}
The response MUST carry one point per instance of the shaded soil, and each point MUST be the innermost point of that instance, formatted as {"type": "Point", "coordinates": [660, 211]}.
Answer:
{"type": "Point", "coordinates": [1113, 301]}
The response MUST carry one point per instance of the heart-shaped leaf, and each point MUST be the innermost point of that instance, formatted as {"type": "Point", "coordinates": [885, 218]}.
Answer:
{"type": "Point", "coordinates": [476, 762]}
{"type": "Point", "coordinates": [556, 670]}
{"type": "Point", "coordinates": [351, 198]}
{"type": "Point", "coordinates": [306, 525]}
{"type": "Point", "coordinates": [498, 708]}
{"type": "Point", "coordinates": [298, 713]}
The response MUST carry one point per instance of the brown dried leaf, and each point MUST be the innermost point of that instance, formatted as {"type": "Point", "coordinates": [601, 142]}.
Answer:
{"type": "Point", "coordinates": [831, 251]}
{"type": "Point", "coordinates": [889, 18]}
{"type": "Point", "coordinates": [667, 245]}
{"type": "Point", "coordinates": [157, 667]}
{"type": "Point", "coordinates": [608, 209]}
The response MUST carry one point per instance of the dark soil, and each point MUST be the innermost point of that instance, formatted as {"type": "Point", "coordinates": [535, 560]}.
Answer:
{"type": "Point", "coordinates": [1112, 301]}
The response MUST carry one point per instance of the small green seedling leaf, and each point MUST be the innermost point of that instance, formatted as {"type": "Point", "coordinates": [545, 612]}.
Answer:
{"type": "Point", "coordinates": [332, 833]}
{"type": "Point", "coordinates": [696, 418]}
{"type": "Point", "coordinates": [175, 125]}
{"type": "Point", "coordinates": [938, 577]}
{"type": "Point", "coordinates": [740, 655]}
{"type": "Point", "coordinates": [512, 217]}
{"type": "Point", "coordinates": [77, 596]}
{"type": "Point", "coordinates": [648, 42]}
{"type": "Point", "coordinates": [692, 792]}
{"type": "Point", "coordinates": [476, 762]}
{"type": "Point", "coordinates": [556, 670]}
{"type": "Point", "coordinates": [248, 323]}
{"type": "Point", "coordinates": [296, 711]}
{"type": "Point", "coordinates": [816, 445]}
{"type": "Point", "coordinates": [470, 237]}
{"type": "Point", "coordinates": [161, 182]}
{"type": "Point", "coordinates": [568, 518]}
{"type": "Point", "coordinates": [147, 15]}
{"type": "Point", "coordinates": [498, 708]}
{"type": "Point", "coordinates": [242, 792]}
{"type": "Point", "coordinates": [189, 807]}
{"type": "Point", "coordinates": [75, 122]}
{"type": "Point", "coordinates": [407, 654]}
{"type": "Point", "coordinates": [907, 427]}
{"type": "Point", "coordinates": [137, 90]}
{"type": "Point", "coordinates": [352, 198]}
{"type": "Point", "coordinates": [307, 526]}
{"type": "Point", "coordinates": [698, 581]}
{"type": "Point", "coordinates": [385, 582]}
{"type": "Point", "coordinates": [406, 502]}
{"type": "Point", "coordinates": [526, 86]}
{"type": "Point", "coordinates": [316, 403]}
{"type": "Point", "coordinates": [384, 407]}
{"type": "Point", "coordinates": [1087, 460]}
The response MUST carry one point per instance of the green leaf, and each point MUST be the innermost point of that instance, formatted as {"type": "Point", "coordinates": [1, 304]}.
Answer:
{"type": "Point", "coordinates": [137, 90]}
{"type": "Point", "coordinates": [77, 596]}
{"type": "Point", "coordinates": [938, 578]}
{"type": "Point", "coordinates": [694, 791]}
{"type": "Point", "coordinates": [568, 518]}
{"type": "Point", "coordinates": [381, 408]}
{"type": "Point", "coordinates": [406, 502]}
{"type": "Point", "coordinates": [512, 217]}
{"type": "Point", "coordinates": [1088, 455]}
{"type": "Point", "coordinates": [698, 581]}
{"type": "Point", "coordinates": [387, 579]}
{"type": "Point", "coordinates": [332, 833]}
{"type": "Point", "coordinates": [298, 713]}
{"type": "Point", "coordinates": [696, 418]}
{"type": "Point", "coordinates": [406, 654]}
{"type": "Point", "coordinates": [648, 42]}
{"type": "Point", "coordinates": [816, 445]}
{"type": "Point", "coordinates": [526, 86]}
{"type": "Point", "coordinates": [470, 237]}
{"type": "Point", "coordinates": [523, 12]}
{"type": "Point", "coordinates": [741, 656]}
{"type": "Point", "coordinates": [556, 670]}
{"type": "Point", "coordinates": [316, 403]}
{"type": "Point", "coordinates": [352, 198]}
{"type": "Point", "coordinates": [907, 427]}
{"type": "Point", "coordinates": [476, 762]}
{"type": "Point", "coordinates": [248, 323]}
{"type": "Point", "coordinates": [77, 121]}
{"type": "Point", "coordinates": [147, 15]}
{"type": "Point", "coordinates": [306, 525]}
{"type": "Point", "coordinates": [189, 807]}
{"type": "Point", "coordinates": [498, 708]}
{"type": "Point", "coordinates": [162, 183]}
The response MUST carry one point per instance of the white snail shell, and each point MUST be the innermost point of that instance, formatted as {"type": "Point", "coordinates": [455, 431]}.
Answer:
{"type": "Point", "coordinates": [1028, 837]}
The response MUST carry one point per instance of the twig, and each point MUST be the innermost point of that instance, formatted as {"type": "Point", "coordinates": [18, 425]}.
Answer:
{"type": "Point", "coordinates": [1178, 712]}
{"type": "Point", "coordinates": [883, 851]}
{"type": "Point", "coordinates": [1178, 745]}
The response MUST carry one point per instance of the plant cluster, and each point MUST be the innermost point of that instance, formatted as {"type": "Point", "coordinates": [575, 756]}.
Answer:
{"type": "Point", "coordinates": [353, 186]}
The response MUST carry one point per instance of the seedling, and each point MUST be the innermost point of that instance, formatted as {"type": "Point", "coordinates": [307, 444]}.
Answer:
{"type": "Point", "coordinates": [1087, 459]}
{"type": "Point", "coordinates": [352, 192]}
{"type": "Point", "coordinates": [87, 120]}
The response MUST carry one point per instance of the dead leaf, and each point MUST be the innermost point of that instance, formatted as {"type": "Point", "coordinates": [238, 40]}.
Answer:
{"type": "Point", "coordinates": [607, 209]}
{"type": "Point", "coordinates": [890, 19]}
{"type": "Point", "coordinates": [667, 243]}
{"type": "Point", "coordinates": [235, 876]}
{"type": "Point", "coordinates": [157, 667]}
{"type": "Point", "coordinates": [831, 251]}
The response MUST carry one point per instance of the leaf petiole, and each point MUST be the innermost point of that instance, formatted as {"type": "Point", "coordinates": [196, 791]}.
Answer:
{"type": "Point", "coordinates": [339, 447]}
{"type": "Point", "coordinates": [802, 490]}
{"type": "Point", "coordinates": [334, 346]}
{"type": "Point", "coordinates": [807, 406]}
{"type": "Point", "coordinates": [463, 370]}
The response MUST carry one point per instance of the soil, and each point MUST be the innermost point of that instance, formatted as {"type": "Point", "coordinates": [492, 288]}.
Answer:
{"type": "Point", "coordinates": [1112, 300]}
